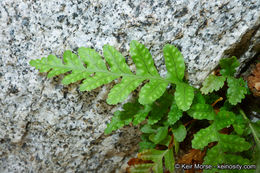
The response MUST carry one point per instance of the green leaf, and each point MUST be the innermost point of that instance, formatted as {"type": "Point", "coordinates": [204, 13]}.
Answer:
{"type": "Point", "coordinates": [116, 123]}
{"type": "Point", "coordinates": [202, 111]}
{"type": "Point", "coordinates": [123, 117]}
{"type": "Point", "coordinates": [92, 59]}
{"type": "Point", "coordinates": [142, 59]}
{"type": "Point", "coordinates": [115, 60]}
{"type": "Point", "coordinates": [152, 91]}
{"type": "Point", "coordinates": [146, 145]}
{"type": "Point", "coordinates": [169, 161]}
{"type": "Point", "coordinates": [232, 143]}
{"type": "Point", "coordinates": [47, 64]}
{"type": "Point", "coordinates": [97, 80]}
{"type": "Point", "coordinates": [121, 91]}
{"type": "Point", "coordinates": [142, 114]}
{"type": "Point", "coordinates": [174, 63]}
{"type": "Point", "coordinates": [227, 145]}
{"type": "Point", "coordinates": [204, 137]}
{"type": "Point", "coordinates": [215, 157]}
{"type": "Point", "coordinates": [236, 91]}
{"type": "Point", "coordinates": [148, 129]}
{"type": "Point", "coordinates": [219, 154]}
{"type": "Point", "coordinates": [224, 119]}
{"type": "Point", "coordinates": [160, 135]}
{"type": "Point", "coordinates": [166, 141]}
{"type": "Point", "coordinates": [117, 64]}
{"type": "Point", "coordinates": [198, 97]}
{"type": "Point", "coordinates": [73, 61]}
{"type": "Point", "coordinates": [179, 133]}
{"type": "Point", "coordinates": [256, 127]}
{"type": "Point", "coordinates": [175, 114]}
{"type": "Point", "coordinates": [145, 66]}
{"type": "Point", "coordinates": [239, 125]}
{"type": "Point", "coordinates": [96, 64]}
{"type": "Point", "coordinates": [210, 134]}
{"type": "Point", "coordinates": [183, 96]}
{"type": "Point", "coordinates": [228, 66]}
{"type": "Point", "coordinates": [159, 108]}
{"type": "Point", "coordinates": [212, 83]}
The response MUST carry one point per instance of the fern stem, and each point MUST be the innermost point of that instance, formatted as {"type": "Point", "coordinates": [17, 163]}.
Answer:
{"type": "Point", "coordinates": [72, 68]}
{"type": "Point", "coordinates": [250, 125]}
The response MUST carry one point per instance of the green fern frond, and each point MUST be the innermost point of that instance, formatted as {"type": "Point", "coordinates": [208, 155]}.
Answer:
{"type": "Point", "coordinates": [92, 68]}
{"type": "Point", "coordinates": [223, 152]}
{"type": "Point", "coordinates": [237, 87]}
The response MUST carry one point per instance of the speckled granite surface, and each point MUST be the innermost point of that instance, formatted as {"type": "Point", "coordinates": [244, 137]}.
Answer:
{"type": "Point", "coordinates": [47, 127]}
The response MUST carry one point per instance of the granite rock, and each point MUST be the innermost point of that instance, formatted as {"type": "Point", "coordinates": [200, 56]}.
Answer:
{"type": "Point", "coordinates": [48, 127]}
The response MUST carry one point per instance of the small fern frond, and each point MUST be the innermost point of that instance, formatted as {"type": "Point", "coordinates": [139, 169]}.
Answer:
{"type": "Point", "coordinates": [237, 87]}
{"type": "Point", "coordinates": [223, 152]}
{"type": "Point", "coordinates": [90, 67]}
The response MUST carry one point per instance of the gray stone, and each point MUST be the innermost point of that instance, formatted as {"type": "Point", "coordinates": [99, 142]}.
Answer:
{"type": "Point", "coordinates": [48, 127]}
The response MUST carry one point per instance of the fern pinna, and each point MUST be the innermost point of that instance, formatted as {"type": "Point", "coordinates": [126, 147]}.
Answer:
{"type": "Point", "coordinates": [92, 68]}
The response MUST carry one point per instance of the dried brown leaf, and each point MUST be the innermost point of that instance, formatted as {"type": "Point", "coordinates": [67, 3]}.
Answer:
{"type": "Point", "coordinates": [254, 80]}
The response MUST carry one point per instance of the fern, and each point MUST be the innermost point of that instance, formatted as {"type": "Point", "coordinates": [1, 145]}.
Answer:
{"type": "Point", "coordinates": [157, 157]}
{"type": "Point", "coordinates": [132, 112]}
{"type": "Point", "coordinates": [91, 68]}
{"type": "Point", "coordinates": [160, 111]}
{"type": "Point", "coordinates": [236, 91]}
{"type": "Point", "coordinates": [212, 83]}
{"type": "Point", "coordinates": [228, 66]}
{"type": "Point", "coordinates": [223, 152]}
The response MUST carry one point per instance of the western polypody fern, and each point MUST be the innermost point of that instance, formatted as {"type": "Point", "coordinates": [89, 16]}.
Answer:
{"type": "Point", "coordinates": [236, 91]}
{"type": "Point", "coordinates": [92, 68]}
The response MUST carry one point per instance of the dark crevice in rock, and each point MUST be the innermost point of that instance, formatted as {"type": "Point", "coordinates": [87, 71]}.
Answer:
{"type": "Point", "coordinates": [246, 70]}
{"type": "Point", "coordinates": [243, 45]}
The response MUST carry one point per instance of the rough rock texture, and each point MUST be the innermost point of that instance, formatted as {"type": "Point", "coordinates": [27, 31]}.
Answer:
{"type": "Point", "coordinates": [47, 127]}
